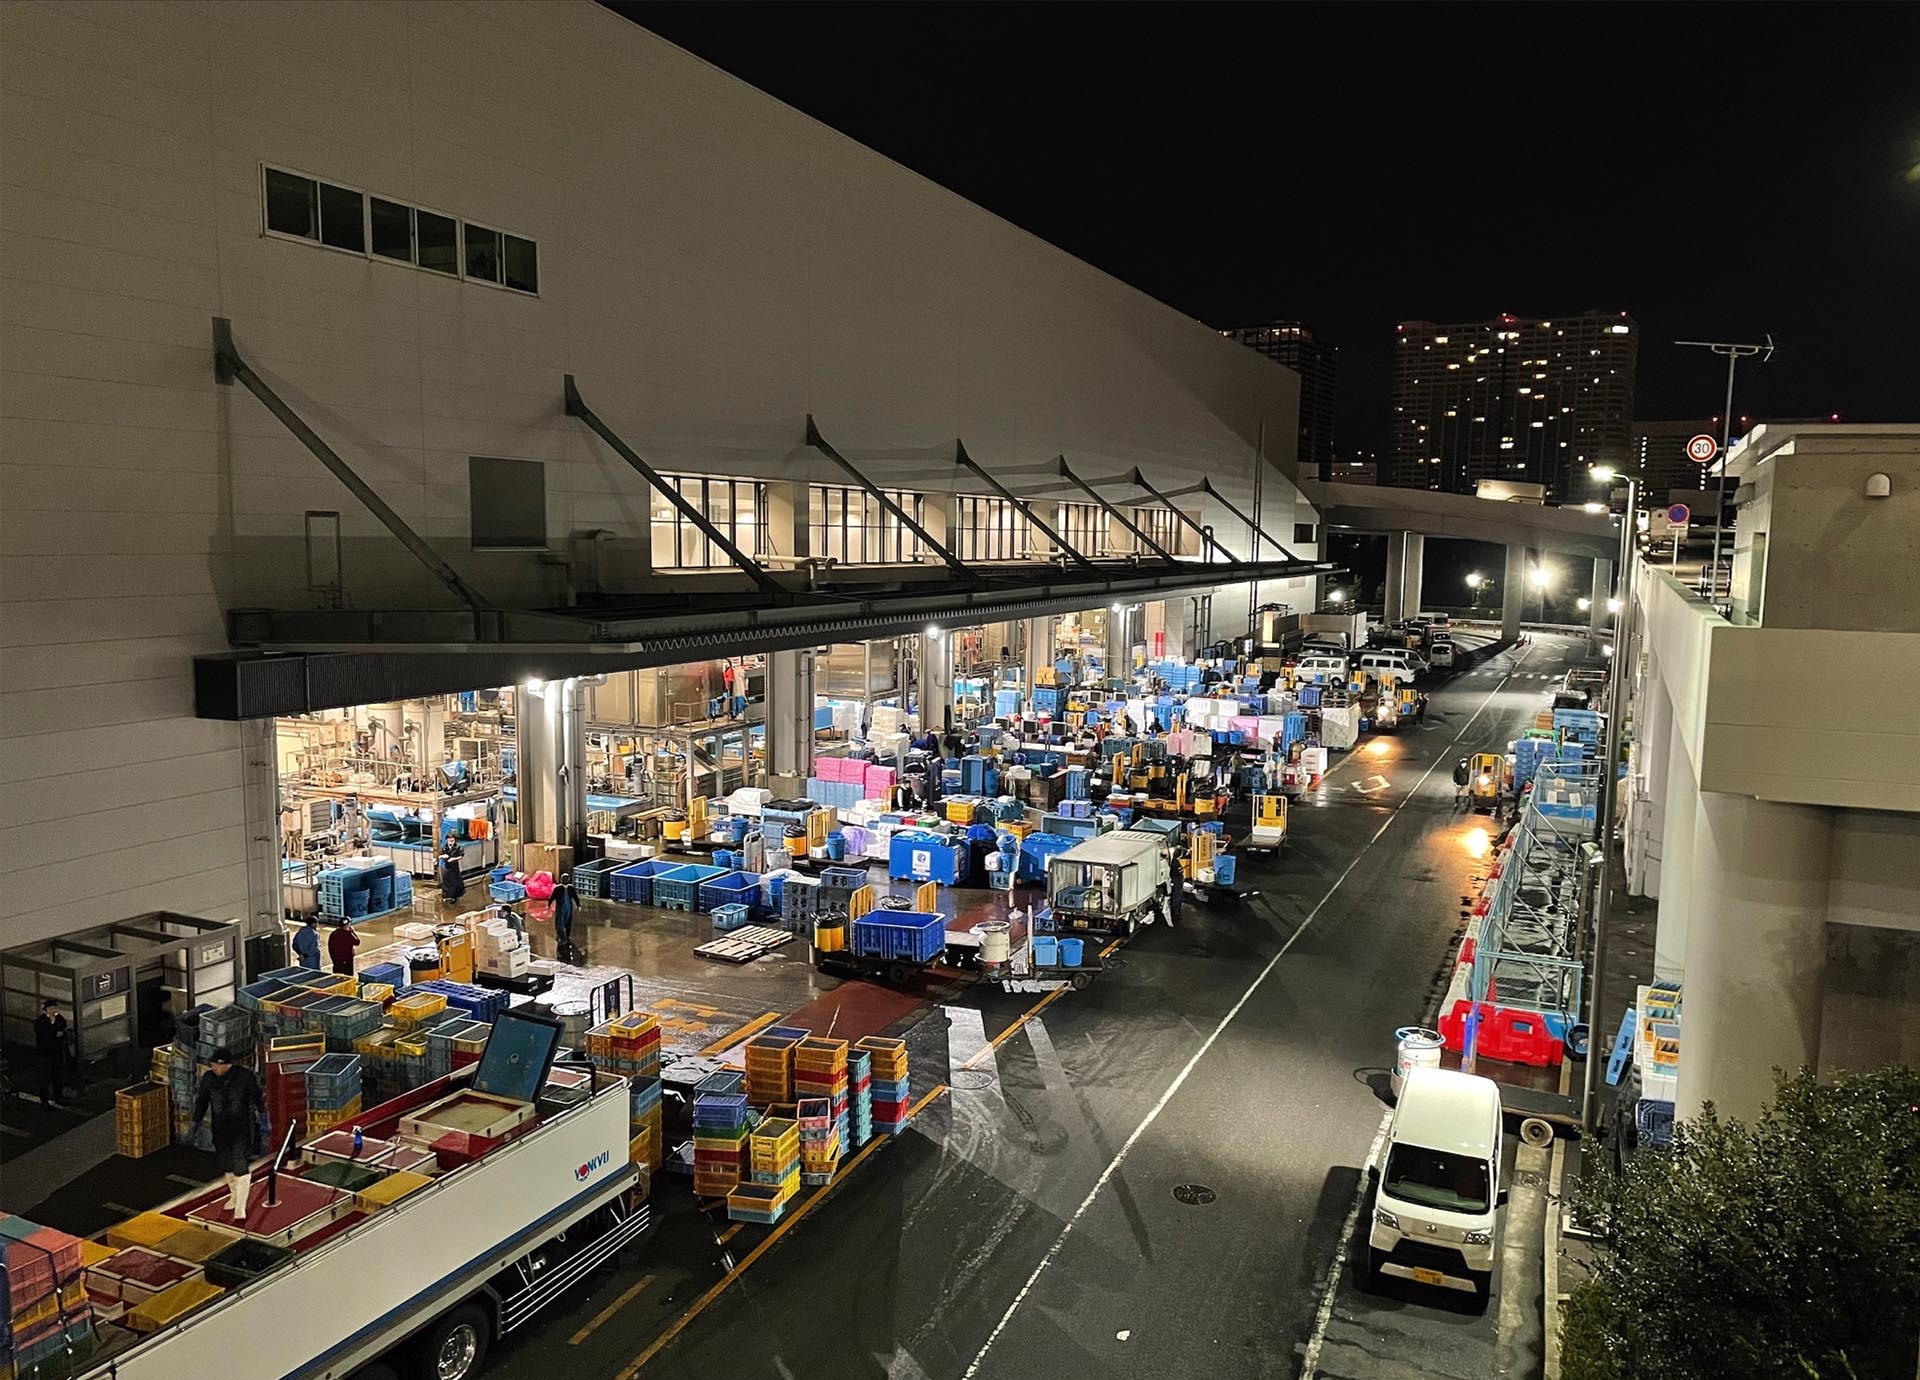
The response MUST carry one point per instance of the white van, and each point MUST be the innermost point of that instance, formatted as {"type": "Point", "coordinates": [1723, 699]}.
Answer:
{"type": "Point", "coordinates": [1435, 1212]}
{"type": "Point", "coordinates": [1440, 651]}
{"type": "Point", "coordinates": [1390, 663]}
{"type": "Point", "coordinates": [1322, 669]}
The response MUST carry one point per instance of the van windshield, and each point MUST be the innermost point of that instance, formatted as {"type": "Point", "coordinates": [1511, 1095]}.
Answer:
{"type": "Point", "coordinates": [1436, 1178]}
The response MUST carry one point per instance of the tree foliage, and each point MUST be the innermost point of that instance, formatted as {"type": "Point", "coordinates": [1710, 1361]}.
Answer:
{"type": "Point", "coordinates": [1788, 1247]}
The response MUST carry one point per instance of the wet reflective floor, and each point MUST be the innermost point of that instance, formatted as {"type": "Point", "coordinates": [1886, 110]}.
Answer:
{"type": "Point", "coordinates": [1153, 1177]}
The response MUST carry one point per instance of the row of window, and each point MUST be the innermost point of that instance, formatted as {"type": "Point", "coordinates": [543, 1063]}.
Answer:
{"type": "Point", "coordinates": [306, 208]}
{"type": "Point", "coordinates": [508, 504]}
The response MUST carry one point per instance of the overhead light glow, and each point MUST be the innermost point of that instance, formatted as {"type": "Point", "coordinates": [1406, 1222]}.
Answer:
{"type": "Point", "coordinates": [1540, 577]}
{"type": "Point", "coordinates": [1477, 842]}
{"type": "Point", "coordinates": [1585, 603]}
{"type": "Point", "coordinates": [1613, 606]}
{"type": "Point", "coordinates": [933, 630]}
{"type": "Point", "coordinates": [1603, 472]}
{"type": "Point", "coordinates": [1593, 507]}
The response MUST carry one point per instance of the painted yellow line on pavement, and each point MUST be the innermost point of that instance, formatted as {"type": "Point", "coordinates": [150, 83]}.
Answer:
{"type": "Point", "coordinates": [610, 1310]}
{"type": "Point", "coordinates": [745, 1032]}
{"type": "Point", "coordinates": [729, 1233]}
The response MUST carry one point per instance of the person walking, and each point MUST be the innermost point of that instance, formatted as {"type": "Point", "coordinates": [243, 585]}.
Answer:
{"type": "Point", "coordinates": [340, 946]}
{"type": "Point", "coordinates": [306, 944]}
{"type": "Point", "coordinates": [453, 883]}
{"type": "Point", "coordinates": [53, 1038]}
{"type": "Point", "coordinates": [563, 904]}
{"type": "Point", "coordinates": [231, 1096]}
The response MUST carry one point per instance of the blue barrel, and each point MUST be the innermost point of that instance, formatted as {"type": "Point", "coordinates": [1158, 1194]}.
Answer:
{"type": "Point", "coordinates": [1070, 950]}
{"type": "Point", "coordinates": [837, 846]}
{"type": "Point", "coordinates": [737, 828]}
{"type": "Point", "coordinates": [1223, 866]}
{"type": "Point", "coordinates": [1046, 950]}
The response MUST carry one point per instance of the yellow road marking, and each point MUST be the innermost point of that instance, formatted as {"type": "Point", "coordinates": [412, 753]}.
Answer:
{"type": "Point", "coordinates": [745, 1032]}
{"type": "Point", "coordinates": [610, 1310]}
{"type": "Point", "coordinates": [729, 1233]}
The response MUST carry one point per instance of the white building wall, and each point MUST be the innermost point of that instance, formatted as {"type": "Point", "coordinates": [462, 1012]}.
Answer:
{"type": "Point", "coordinates": [713, 265]}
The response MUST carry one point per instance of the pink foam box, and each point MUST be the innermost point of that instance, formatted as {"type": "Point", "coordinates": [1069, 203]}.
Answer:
{"type": "Point", "coordinates": [878, 782]}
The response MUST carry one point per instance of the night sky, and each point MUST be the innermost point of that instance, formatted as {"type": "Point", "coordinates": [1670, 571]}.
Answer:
{"type": "Point", "coordinates": [1720, 171]}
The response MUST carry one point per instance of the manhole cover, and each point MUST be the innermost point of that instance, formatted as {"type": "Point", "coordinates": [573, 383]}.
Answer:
{"type": "Point", "coordinates": [1193, 1195]}
{"type": "Point", "coordinates": [971, 1080]}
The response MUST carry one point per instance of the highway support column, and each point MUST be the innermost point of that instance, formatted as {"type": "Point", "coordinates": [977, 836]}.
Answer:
{"type": "Point", "coordinates": [1513, 593]}
{"type": "Point", "coordinates": [790, 718]}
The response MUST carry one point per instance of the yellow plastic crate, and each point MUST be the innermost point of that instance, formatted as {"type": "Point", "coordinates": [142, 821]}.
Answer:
{"type": "Point", "coordinates": [821, 1055]}
{"type": "Point", "coordinates": [376, 991]}
{"type": "Point", "coordinates": [93, 1252]}
{"type": "Point", "coordinates": [390, 1190]}
{"type": "Point", "coordinates": [149, 1229]}
{"type": "Point", "coordinates": [165, 1307]}
{"type": "Point", "coordinates": [415, 1007]}
{"type": "Point", "coordinates": [197, 1244]}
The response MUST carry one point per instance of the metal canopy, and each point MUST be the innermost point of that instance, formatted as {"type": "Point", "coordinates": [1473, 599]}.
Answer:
{"type": "Point", "coordinates": [1120, 517]}
{"type": "Point", "coordinates": [1205, 535]}
{"type": "Point", "coordinates": [296, 660]}
{"type": "Point", "coordinates": [577, 407]}
{"type": "Point", "coordinates": [229, 368]}
{"type": "Point", "coordinates": [954, 563]}
{"type": "Point", "coordinates": [961, 457]}
{"type": "Point", "coordinates": [1207, 484]}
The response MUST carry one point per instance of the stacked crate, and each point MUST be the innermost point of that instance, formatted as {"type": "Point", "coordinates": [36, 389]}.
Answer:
{"type": "Point", "coordinates": [284, 1080]}
{"type": "Point", "coordinates": [142, 1116]}
{"type": "Point", "coordinates": [183, 1082]}
{"type": "Point", "coordinates": [820, 1072]}
{"type": "Point", "coordinates": [343, 1020]}
{"type": "Point", "coordinates": [891, 1092]}
{"type": "Point", "coordinates": [455, 1045]}
{"type": "Point", "coordinates": [413, 1010]}
{"type": "Point", "coordinates": [645, 1143]}
{"type": "Point", "coordinates": [774, 1155]}
{"type": "Point", "coordinates": [859, 1097]}
{"type": "Point", "coordinates": [719, 1143]}
{"type": "Point", "coordinates": [393, 975]}
{"type": "Point", "coordinates": [819, 1141]}
{"type": "Point", "coordinates": [333, 1092]}
{"type": "Point", "coordinates": [770, 1068]}
{"type": "Point", "coordinates": [43, 1299]}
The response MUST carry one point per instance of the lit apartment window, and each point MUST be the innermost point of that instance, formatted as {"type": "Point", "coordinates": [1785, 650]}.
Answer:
{"type": "Point", "coordinates": [855, 528]}
{"type": "Point", "coordinates": [738, 507]}
{"type": "Point", "coordinates": [988, 529]}
{"type": "Point", "coordinates": [305, 208]}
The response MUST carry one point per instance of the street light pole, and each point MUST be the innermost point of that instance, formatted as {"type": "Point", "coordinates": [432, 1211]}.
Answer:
{"type": "Point", "coordinates": [1734, 353]}
{"type": "Point", "coordinates": [1605, 807]}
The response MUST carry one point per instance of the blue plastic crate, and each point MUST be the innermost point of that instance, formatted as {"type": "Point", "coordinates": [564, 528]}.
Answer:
{"type": "Point", "coordinates": [903, 935]}
{"type": "Point", "coordinates": [507, 892]}
{"type": "Point", "coordinates": [679, 889]}
{"type": "Point", "coordinates": [633, 884]}
{"type": "Point", "coordinates": [922, 857]}
{"type": "Point", "coordinates": [333, 1080]}
{"type": "Point", "coordinates": [722, 1084]}
{"type": "Point", "coordinates": [731, 917]}
{"type": "Point", "coordinates": [731, 889]}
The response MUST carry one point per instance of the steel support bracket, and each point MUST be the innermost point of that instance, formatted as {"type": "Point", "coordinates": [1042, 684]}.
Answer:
{"type": "Point", "coordinates": [1206, 535]}
{"type": "Point", "coordinates": [1207, 485]}
{"type": "Point", "coordinates": [1066, 472]}
{"type": "Point", "coordinates": [953, 562]}
{"type": "Point", "coordinates": [961, 457]}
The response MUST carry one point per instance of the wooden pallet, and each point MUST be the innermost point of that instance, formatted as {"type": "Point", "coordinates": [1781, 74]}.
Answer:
{"type": "Point", "coordinates": [744, 945]}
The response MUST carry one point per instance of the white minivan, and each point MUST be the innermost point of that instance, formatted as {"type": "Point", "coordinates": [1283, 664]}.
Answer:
{"type": "Point", "coordinates": [1322, 668]}
{"type": "Point", "coordinates": [1391, 663]}
{"type": "Point", "coordinates": [1438, 1196]}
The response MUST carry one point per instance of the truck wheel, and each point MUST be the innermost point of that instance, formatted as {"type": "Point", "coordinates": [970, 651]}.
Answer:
{"type": "Point", "coordinates": [1080, 982]}
{"type": "Point", "coordinates": [898, 974]}
{"type": "Point", "coordinates": [455, 1346]}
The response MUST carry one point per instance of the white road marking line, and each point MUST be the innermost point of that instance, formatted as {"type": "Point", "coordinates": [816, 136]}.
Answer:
{"type": "Point", "coordinates": [1153, 1115]}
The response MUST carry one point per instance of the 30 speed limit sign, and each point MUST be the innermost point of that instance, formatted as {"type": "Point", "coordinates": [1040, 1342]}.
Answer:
{"type": "Point", "coordinates": [1701, 449]}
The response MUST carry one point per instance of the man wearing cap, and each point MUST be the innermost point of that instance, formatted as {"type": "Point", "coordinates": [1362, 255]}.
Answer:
{"type": "Point", "coordinates": [232, 1095]}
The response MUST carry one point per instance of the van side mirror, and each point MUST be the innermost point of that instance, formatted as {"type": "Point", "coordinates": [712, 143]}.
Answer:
{"type": "Point", "coordinates": [1500, 1198]}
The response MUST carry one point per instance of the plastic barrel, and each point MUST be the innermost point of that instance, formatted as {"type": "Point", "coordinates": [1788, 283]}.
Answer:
{"type": "Point", "coordinates": [1223, 867]}
{"type": "Point", "coordinates": [1070, 951]}
{"type": "Point", "coordinates": [994, 943]}
{"type": "Point", "coordinates": [836, 846]}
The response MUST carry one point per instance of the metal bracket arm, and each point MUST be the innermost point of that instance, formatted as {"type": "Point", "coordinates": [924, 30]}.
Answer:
{"type": "Point", "coordinates": [1205, 535]}
{"type": "Point", "coordinates": [229, 368]}
{"type": "Point", "coordinates": [576, 406]}
{"type": "Point", "coordinates": [1117, 515]}
{"type": "Point", "coordinates": [1212, 492]}
{"type": "Point", "coordinates": [961, 457]}
{"type": "Point", "coordinates": [954, 563]}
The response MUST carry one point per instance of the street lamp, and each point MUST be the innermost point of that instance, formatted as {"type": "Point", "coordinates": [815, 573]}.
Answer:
{"type": "Point", "coordinates": [1541, 579]}
{"type": "Point", "coordinates": [1336, 596]}
{"type": "Point", "coordinates": [1476, 582]}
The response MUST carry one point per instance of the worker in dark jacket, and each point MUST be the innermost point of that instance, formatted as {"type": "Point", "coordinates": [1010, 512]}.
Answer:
{"type": "Point", "coordinates": [340, 946]}
{"type": "Point", "coordinates": [306, 944]}
{"type": "Point", "coordinates": [231, 1096]}
{"type": "Point", "coordinates": [53, 1038]}
{"type": "Point", "coordinates": [453, 884]}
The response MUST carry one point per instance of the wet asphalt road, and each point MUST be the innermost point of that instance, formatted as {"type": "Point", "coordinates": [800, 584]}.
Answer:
{"type": "Point", "coordinates": [1027, 1225]}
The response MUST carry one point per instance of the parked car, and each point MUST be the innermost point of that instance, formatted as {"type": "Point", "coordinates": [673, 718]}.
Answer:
{"type": "Point", "coordinates": [1441, 653]}
{"type": "Point", "coordinates": [1437, 1200]}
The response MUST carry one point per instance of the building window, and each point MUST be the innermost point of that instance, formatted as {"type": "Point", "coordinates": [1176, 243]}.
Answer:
{"type": "Point", "coordinates": [342, 218]}
{"type": "Point", "coordinates": [1161, 527]}
{"type": "Point", "coordinates": [1086, 527]}
{"type": "Point", "coordinates": [738, 507]}
{"type": "Point", "coordinates": [988, 529]}
{"type": "Point", "coordinates": [1304, 534]}
{"type": "Point", "coordinates": [508, 503]}
{"type": "Point", "coordinates": [309, 209]}
{"type": "Point", "coordinates": [853, 527]}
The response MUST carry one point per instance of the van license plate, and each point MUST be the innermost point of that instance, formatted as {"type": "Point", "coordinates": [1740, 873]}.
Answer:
{"type": "Point", "coordinates": [1428, 1276]}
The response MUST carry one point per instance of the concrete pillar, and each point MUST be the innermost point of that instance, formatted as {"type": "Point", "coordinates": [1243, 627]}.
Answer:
{"type": "Point", "coordinates": [1039, 650]}
{"type": "Point", "coordinates": [1412, 575]}
{"type": "Point", "coordinates": [1756, 950]}
{"type": "Point", "coordinates": [1395, 592]}
{"type": "Point", "coordinates": [539, 751]}
{"type": "Point", "coordinates": [1678, 813]}
{"type": "Point", "coordinates": [1118, 660]}
{"type": "Point", "coordinates": [790, 715]}
{"type": "Point", "coordinates": [572, 812]}
{"type": "Point", "coordinates": [936, 678]}
{"type": "Point", "coordinates": [1513, 592]}
{"type": "Point", "coordinates": [1598, 619]}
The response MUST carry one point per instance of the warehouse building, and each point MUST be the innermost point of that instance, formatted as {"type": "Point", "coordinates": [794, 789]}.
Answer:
{"type": "Point", "coordinates": [356, 354]}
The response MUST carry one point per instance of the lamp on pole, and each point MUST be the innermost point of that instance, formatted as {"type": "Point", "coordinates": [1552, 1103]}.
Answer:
{"type": "Point", "coordinates": [1609, 792]}
{"type": "Point", "coordinates": [1476, 582]}
{"type": "Point", "coordinates": [1735, 353]}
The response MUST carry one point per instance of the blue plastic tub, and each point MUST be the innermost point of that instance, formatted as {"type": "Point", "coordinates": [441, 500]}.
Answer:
{"type": "Point", "coordinates": [678, 888]}
{"type": "Point", "coordinates": [1046, 950]}
{"type": "Point", "coordinates": [634, 882]}
{"type": "Point", "coordinates": [1224, 865]}
{"type": "Point", "coordinates": [1070, 952]}
{"type": "Point", "coordinates": [836, 846]}
{"type": "Point", "coordinates": [906, 935]}
{"type": "Point", "coordinates": [730, 889]}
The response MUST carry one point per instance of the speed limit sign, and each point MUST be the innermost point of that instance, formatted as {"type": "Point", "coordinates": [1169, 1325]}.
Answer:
{"type": "Point", "coordinates": [1702, 449]}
